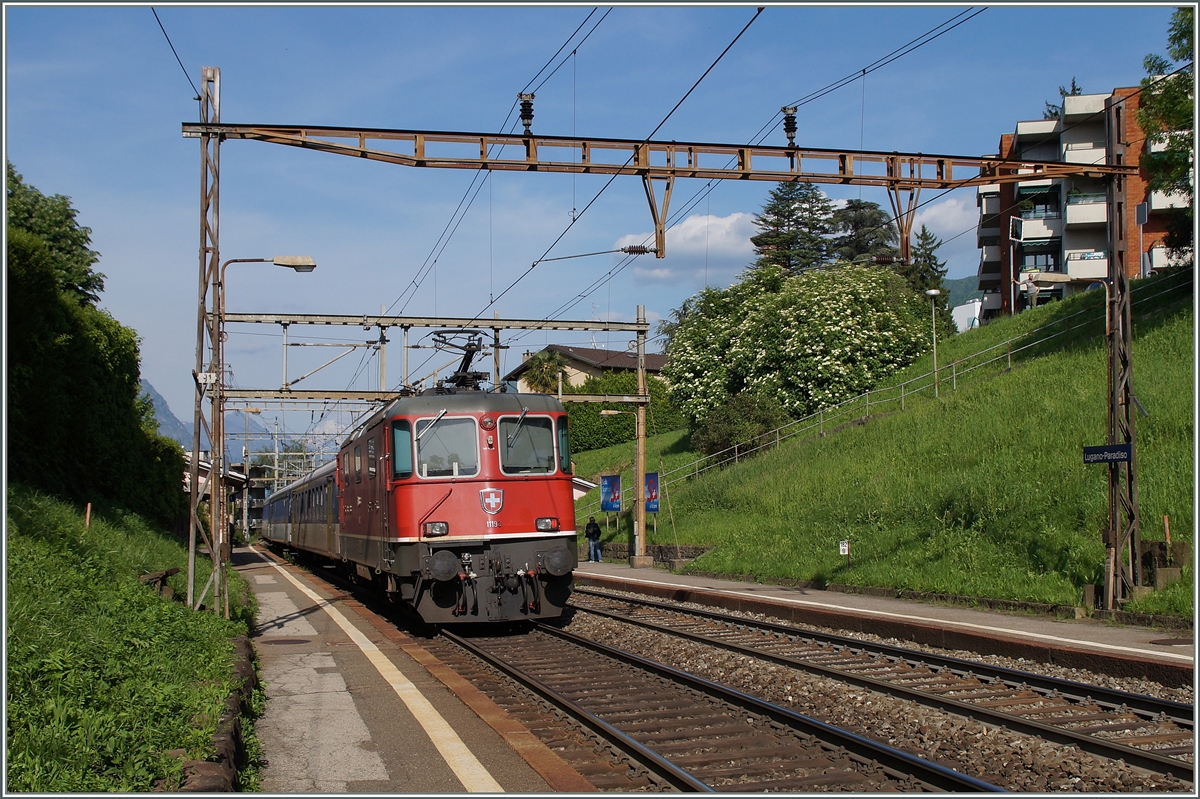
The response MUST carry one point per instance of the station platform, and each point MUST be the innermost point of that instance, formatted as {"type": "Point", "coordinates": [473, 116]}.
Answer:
{"type": "Point", "coordinates": [1164, 656]}
{"type": "Point", "coordinates": [356, 706]}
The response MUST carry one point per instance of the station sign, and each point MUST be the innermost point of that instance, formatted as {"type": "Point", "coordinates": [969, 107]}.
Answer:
{"type": "Point", "coordinates": [1109, 453]}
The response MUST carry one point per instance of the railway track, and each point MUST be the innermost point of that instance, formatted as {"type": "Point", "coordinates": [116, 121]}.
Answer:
{"type": "Point", "coordinates": [1145, 732]}
{"type": "Point", "coordinates": [690, 734]}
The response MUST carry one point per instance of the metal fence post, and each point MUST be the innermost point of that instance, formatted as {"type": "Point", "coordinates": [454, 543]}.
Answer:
{"type": "Point", "coordinates": [901, 396]}
{"type": "Point", "coordinates": [954, 375]}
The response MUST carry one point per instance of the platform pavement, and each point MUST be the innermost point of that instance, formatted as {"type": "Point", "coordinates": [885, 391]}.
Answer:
{"type": "Point", "coordinates": [1168, 656]}
{"type": "Point", "coordinates": [350, 710]}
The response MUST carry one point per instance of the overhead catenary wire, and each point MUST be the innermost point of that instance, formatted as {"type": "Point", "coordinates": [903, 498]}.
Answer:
{"type": "Point", "coordinates": [195, 91]}
{"type": "Point", "coordinates": [614, 176]}
{"type": "Point", "coordinates": [704, 191]}
{"type": "Point", "coordinates": [472, 190]}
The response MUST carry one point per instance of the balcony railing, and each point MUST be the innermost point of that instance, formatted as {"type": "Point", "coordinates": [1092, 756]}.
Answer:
{"type": "Point", "coordinates": [1084, 198]}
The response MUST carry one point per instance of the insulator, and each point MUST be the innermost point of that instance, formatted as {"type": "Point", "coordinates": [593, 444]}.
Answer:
{"type": "Point", "coordinates": [884, 259]}
{"type": "Point", "coordinates": [638, 249]}
{"type": "Point", "coordinates": [789, 124]}
{"type": "Point", "coordinates": [526, 110]}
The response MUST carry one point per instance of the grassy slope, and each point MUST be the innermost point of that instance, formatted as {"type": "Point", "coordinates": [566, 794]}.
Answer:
{"type": "Point", "coordinates": [104, 675]}
{"type": "Point", "coordinates": [981, 493]}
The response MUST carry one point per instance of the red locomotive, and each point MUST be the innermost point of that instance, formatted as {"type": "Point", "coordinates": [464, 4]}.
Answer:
{"type": "Point", "coordinates": [457, 503]}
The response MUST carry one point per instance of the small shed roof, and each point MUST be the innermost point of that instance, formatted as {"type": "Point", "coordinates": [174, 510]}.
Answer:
{"type": "Point", "coordinates": [610, 360]}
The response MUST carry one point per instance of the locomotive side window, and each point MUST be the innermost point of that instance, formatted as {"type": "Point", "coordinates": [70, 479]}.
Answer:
{"type": "Point", "coordinates": [371, 457]}
{"type": "Point", "coordinates": [526, 445]}
{"type": "Point", "coordinates": [564, 446]}
{"type": "Point", "coordinates": [345, 468]}
{"type": "Point", "coordinates": [402, 460]}
{"type": "Point", "coordinates": [447, 448]}
{"type": "Point", "coordinates": [358, 464]}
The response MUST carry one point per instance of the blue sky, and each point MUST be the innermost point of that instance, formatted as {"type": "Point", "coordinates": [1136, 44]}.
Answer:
{"type": "Point", "coordinates": [94, 100]}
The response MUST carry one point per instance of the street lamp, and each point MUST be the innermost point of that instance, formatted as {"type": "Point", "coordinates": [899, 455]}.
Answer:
{"type": "Point", "coordinates": [220, 510]}
{"type": "Point", "coordinates": [932, 294]}
{"type": "Point", "coordinates": [638, 559]}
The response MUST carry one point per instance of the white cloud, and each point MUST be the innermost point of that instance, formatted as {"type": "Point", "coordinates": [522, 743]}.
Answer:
{"type": "Point", "coordinates": [953, 220]}
{"type": "Point", "coordinates": [702, 249]}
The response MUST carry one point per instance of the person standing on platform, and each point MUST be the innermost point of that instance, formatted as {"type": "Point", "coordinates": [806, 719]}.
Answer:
{"type": "Point", "coordinates": [592, 532]}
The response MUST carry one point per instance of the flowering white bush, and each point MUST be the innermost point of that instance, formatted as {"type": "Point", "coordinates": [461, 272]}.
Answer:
{"type": "Point", "coordinates": [810, 340]}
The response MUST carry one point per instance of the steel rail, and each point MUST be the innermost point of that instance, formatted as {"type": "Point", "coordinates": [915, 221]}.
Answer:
{"type": "Point", "coordinates": [898, 762]}
{"type": "Point", "coordinates": [677, 777]}
{"type": "Point", "coordinates": [1178, 712]}
{"type": "Point", "coordinates": [1137, 757]}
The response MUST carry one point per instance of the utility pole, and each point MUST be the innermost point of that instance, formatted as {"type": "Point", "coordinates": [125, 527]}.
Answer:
{"type": "Point", "coordinates": [640, 560]}
{"type": "Point", "coordinates": [1122, 567]}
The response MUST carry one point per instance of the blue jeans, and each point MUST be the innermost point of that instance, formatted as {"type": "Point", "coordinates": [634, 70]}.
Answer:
{"type": "Point", "coordinates": [594, 550]}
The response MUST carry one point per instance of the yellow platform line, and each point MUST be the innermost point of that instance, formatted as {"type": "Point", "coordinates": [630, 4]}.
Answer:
{"type": "Point", "coordinates": [469, 771]}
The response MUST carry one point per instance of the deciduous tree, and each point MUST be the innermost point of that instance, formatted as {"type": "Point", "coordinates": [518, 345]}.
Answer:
{"type": "Point", "coordinates": [1166, 116]}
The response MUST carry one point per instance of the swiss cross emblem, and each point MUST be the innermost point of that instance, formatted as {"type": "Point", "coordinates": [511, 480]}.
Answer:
{"type": "Point", "coordinates": [492, 499]}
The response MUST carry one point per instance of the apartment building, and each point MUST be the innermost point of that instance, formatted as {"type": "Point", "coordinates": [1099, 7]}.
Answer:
{"type": "Point", "coordinates": [1044, 239]}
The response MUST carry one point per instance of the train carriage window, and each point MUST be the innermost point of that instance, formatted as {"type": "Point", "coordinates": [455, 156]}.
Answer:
{"type": "Point", "coordinates": [564, 446]}
{"type": "Point", "coordinates": [371, 457]}
{"type": "Point", "coordinates": [358, 464]}
{"type": "Point", "coordinates": [345, 468]}
{"type": "Point", "coordinates": [402, 459]}
{"type": "Point", "coordinates": [526, 445]}
{"type": "Point", "coordinates": [449, 448]}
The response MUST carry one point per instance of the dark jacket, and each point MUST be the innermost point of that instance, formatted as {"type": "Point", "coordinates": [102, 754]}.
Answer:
{"type": "Point", "coordinates": [592, 531]}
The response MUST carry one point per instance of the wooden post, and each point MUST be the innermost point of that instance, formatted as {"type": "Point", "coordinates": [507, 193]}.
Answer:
{"type": "Point", "coordinates": [87, 517]}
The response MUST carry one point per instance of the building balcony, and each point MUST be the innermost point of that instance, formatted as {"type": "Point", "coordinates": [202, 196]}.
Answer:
{"type": "Point", "coordinates": [1038, 127]}
{"type": "Point", "coordinates": [1081, 214]}
{"type": "Point", "coordinates": [990, 253]}
{"type": "Point", "coordinates": [1078, 106]}
{"type": "Point", "coordinates": [1158, 258]}
{"type": "Point", "coordinates": [992, 301]}
{"type": "Point", "coordinates": [1087, 264]}
{"type": "Point", "coordinates": [1163, 201]}
{"type": "Point", "coordinates": [1084, 153]}
{"type": "Point", "coordinates": [988, 203]}
{"type": "Point", "coordinates": [1036, 229]}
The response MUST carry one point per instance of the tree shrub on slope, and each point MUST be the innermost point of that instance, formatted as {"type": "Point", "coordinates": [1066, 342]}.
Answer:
{"type": "Point", "coordinates": [809, 340]}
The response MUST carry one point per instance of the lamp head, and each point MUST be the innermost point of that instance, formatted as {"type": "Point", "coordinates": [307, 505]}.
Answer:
{"type": "Point", "coordinates": [932, 292]}
{"type": "Point", "coordinates": [301, 263]}
{"type": "Point", "coordinates": [609, 413]}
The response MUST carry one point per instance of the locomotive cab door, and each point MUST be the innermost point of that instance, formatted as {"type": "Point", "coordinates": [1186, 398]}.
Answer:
{"type": "Point", "coordinates": [375, 491]}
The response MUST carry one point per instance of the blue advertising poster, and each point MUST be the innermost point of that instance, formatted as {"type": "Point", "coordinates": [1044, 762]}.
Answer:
{"type": "Point", "coordinates": [651, 492]}
{"type": "Point", "coordinates": [610, 493]}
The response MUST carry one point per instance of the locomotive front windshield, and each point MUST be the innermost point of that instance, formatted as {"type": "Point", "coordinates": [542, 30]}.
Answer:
{"type": "Point", "coordinates": [447, 448]}
{"type": "Point", "coordinates": [526, 445]}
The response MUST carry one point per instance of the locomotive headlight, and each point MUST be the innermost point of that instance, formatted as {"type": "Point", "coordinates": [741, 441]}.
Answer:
{"type": "Point", "coordinates": [436, 529]}
{"type": "Point", "coordinates": [548, 524]}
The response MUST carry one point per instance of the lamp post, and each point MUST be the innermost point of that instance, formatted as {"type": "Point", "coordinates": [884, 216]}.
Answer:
{"type": "Point", "coordinates": [246, 468]}
{"type": "Point", "coordinates": [219, 502]}
{"type": "Point", "coordinates": [638, 560]}
{"type": "Point", "coordinates": [932, 294]}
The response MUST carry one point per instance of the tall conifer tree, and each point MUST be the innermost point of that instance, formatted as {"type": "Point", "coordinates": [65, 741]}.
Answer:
{"type": "Point", "coordinates": [795, 225]}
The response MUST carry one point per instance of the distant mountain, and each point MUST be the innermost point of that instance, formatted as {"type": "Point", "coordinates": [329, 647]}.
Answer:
{"type": "Point", "coordinates": [168, 424]}
{"type": "Point", "coordinates": [963, 290]}
{"type": "Point", "coordinates": [236, 424]}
